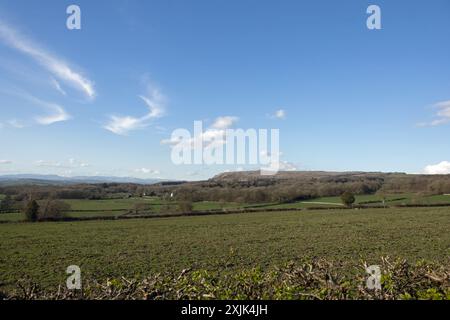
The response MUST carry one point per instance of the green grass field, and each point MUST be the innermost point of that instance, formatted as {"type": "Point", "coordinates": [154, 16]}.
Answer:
{"type": "Point", "coordinates": [138, 247]}
{"type": "Point", "coordinates": [110, 204]}
{"type": "Point", "coordinates": [369, 200]}
{"type": "Point", "coordinates": [12, 217]}
{"type": "Point", "coordinates": [118, 207]}
{"type": "Point", "coordinates": [125, 204]}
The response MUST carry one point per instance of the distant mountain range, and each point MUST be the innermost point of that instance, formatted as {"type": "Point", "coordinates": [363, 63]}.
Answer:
{"type": "Point", "coordinates": [55, 179]}
{"type": "Point", "coordinates": [226, 177]}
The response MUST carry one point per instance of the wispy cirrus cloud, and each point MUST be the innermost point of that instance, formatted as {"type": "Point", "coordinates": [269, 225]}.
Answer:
{"type": "Point", "coordinates": [57, 86]}
{"type": "Point", "coordinates": [55, 65]}
{"type": "Point", "coordinates": [155, 102]}
{"type": "Point", "coordinates": [57, 113]}
{"type": "Point", "coordinates": [442, 115]}
{"type": "Point", "coordinates": [121, 125]}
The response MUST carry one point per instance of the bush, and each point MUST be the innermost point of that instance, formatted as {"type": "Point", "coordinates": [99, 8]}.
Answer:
{"type": "Point", "coordinates": [7, 204]}
{"type": "Point", "coordinates": [185, 206]}
{"type": "Point", "coordinates": [53, 210]}
{"type": "Point", "coordinates": [141, 207]}
{"type": "Point", "coordinates": [31, 211]}
{"type": "Point", "coordinates": [348, 198]}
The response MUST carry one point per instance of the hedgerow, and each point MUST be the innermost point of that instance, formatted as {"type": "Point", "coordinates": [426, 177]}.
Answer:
{"type": "Point", "coordinates": [318, 280]}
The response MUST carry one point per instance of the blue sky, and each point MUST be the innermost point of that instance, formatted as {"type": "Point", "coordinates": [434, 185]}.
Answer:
{"type": "Point", "coordinates": [99, 101]}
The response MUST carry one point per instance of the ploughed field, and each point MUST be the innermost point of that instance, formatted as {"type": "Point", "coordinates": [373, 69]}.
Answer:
{"type": "Point", "coordinates": [137, 248]}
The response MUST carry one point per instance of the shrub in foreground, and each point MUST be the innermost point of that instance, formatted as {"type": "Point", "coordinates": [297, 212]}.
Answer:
{"type": "Point", "coordinates": [318, 279]}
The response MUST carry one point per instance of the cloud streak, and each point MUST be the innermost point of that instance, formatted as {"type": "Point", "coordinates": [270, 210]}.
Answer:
{"type": "Point", "coordinates": [58, 87]}
{"type": "Point", "coordinates": [442, 115]}
{"type": "Point", "coordinates": [53, 64]}
{"type": "Point", "coordinates": [155, 102]}
{"type": "Point", "coordinates": [71, 164]}
{"type": "Point", "coordinates": [58, 114]}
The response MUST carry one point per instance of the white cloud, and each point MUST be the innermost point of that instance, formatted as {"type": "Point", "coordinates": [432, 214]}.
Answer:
{"type": "Point", "coordinates": [42, 163]}
{"type": "Point", "coordinates": [280, 114]}
{"type": "Point", "coordinates": [440, 168]}
{"type": "Point", "coordinates": [275, 163]}
{"type": "Point", "coordinates": [442, 115]}
{"type": "Point", "coordinates": [53, 64]}
{"type": "Point", "coordinates": [277, 166]}
{"type": "Point", "coordinates": [146, 171]}
{"type": "Point", "coordinates": [155, 102]}
{"type": "Point", "coordinates": [280, 166]}
{"type": "Point", "coordinates": [76, 163]}
{"type": "Point", "coordinates": [224, 122]}
{"type": "Point", "coordinates": [71, 163]}
{"type": "Point", "coordinates": [211, 137]}
{"type": "Point", "coordinates": [5, 161]}
{"type": "Point", "coordinates": [287, 166]}
{"type": "Point", "coordinates": [122, 125]}
{"type": "Point", "coordinates": [58, 114]}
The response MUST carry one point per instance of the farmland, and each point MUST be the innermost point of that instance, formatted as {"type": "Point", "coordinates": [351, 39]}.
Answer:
{"type": "Point", "coordinates": [139, 247]}
{"type": "Point", "coordinates": [226, 232]}
{"type": "Point", "coordinates": [82, 208]}
{"type": "Point", "coordinates": [118, 207]}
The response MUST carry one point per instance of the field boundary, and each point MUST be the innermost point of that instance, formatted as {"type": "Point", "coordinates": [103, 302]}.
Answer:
{"type": "Point", "coordinates": [225, 211]}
